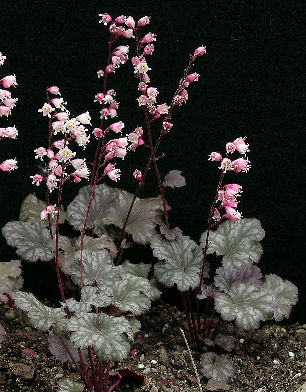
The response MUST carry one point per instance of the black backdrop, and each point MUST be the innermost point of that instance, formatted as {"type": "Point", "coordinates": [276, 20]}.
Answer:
{"type": "Point", "coordinates": [252, 84]}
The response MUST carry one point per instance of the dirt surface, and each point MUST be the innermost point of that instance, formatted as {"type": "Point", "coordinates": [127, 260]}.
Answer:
{"type": "Point", "coordinates": [271, 359]}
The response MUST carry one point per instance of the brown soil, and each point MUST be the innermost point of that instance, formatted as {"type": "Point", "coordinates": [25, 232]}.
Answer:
{"type": "Point", "coordinates": [271, 359]}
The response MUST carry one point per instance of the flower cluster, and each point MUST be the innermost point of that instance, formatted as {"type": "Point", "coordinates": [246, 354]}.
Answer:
{"type": "Point", "coordinates": [109, 104]}
{"type": "Point", "coordinates": [227, 195]}
{"type": "Point", "coordinates": [58, 153]}
{"type": "Point", "coordinates": [7, 103]}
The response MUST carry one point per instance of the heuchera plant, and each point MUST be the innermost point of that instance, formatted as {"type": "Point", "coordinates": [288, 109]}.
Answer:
{"type": "Point", "coordinates": [101, 293]}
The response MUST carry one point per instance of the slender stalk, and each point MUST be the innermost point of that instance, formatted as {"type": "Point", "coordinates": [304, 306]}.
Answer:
{"type": "Point", "coordinates": [160, 185]}
{"type": "Point", "coordinates": [84, 375]}
{"type": "Point", "coordinates": [191, 313]}
{"type": "Point", "coordinates": [93, 368]}
{"type": "Point", "coordinates": [106, 376]}
{"type": "Point", "coordinates": [192, 361]}
{"type": "Point", "coordinates": [191, 333]}
{"type": "Point", "coordinates": [209, 226]}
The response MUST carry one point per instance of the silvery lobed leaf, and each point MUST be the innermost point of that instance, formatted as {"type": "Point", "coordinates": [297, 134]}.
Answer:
{"type": "Point", "coordinates": [170, 234]}
{"type": "Point", "coordinates": [246, 273]}
{"type": "Point", "coordinates": [70, 386]}
{"type": "Point", "coordinates": [225, 341]}
{"type": "Point", "coordinates": [217, 367]}
{"type": "Point", "coordinates": [174, 179]}
{"type": "Point", "coordinates": [96, 244]}
{"type": "Point", "coordinates": [130, 294]}
{"type": "Point", "coordinates": [237, 242]}
{"type": "Point", "coordinates": [246, 304]}
{"type": "Point", "coordinates": [97, 268]}
{"type": "Point", "coordinates": [76, 211]}
{"type": "Point", "coordinates": [104, 333]}
{"type": "Point", "coordinates": [40, 315]}
{"type": "Point", "coordinates": [31, 239]}
{"type": "Point", "coordinates": [141, 223]}
{"type": "Point", "coordinates": [96, 296]}
{"type": "Point", "coordinates": [284, 294]}
{"type": "Point", "coordinates": [57, 348]}
{"type": "Point", "coordinates": [31, 208]}
{"type": "Point", "coordinates": [10, 269]}
{"type": "Point", "coordinates": [138, 269]}
{"type": "Point", "coordinates": [76, 306]}
{"type": "Point", "coordinates": [182, 260]}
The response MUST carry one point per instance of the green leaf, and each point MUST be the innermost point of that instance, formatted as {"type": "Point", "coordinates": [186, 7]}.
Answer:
{"type": "Point", "coordinates": [244, 303]}
{"type": "Point", "coordinates": [227, 275]}
{"type": "Point", "coordinates": [70, 386]}
{"type": "Point", "coordinates": [97, 268]}
{"type": "Point", "coordinates": [104, 333]}
{"type": "Point", "coordinates": [237, 242]}
{"type": "Point", "coordinates": [138, 269]}
{"type": "Point", "coordinates": [284, 294]}
{"type": "Point", "coordinates": [217, 367]}
{"type": "Point", "coordinates": [182, 260]}
{"type": "Point", "coordinates": [97, 244]}
{"type": "Point", "coordinates": [77, 209]}
{"type": "Point", "coordinates": [130, 294]}
{"type": "Point", "coordinates": [141, 224]}
{"type": "Point", "coordinates": [40, 315]}
{"type": "Point", "coordinates": [31, 208]}
{"type": "Point", "coordinates": [31, 239]}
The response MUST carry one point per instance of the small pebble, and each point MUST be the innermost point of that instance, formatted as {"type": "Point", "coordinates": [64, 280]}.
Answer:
{"type": "Point", "coordinates": [241, 340]}
{"type": "Point", "coordinates": [291, 354]}
{"type": "Point", "coordinates": [146, 370]}
{"type": "Point", "coordinates": [154, 362]}
{"type": "Point", "coordinates": [142, 357]}
{"type": "Point", "coordinates": [276, 362]}
{"type": "Point", "coordinates": [140, 366]}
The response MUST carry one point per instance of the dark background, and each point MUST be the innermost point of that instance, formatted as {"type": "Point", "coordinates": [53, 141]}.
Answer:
{"type": "Point", "coordinates": [252, 84]}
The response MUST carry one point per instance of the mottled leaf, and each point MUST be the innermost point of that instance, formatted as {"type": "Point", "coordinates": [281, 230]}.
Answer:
{"type": "Point", "coordinates": [284, 294]}
{"type": "Point", "coordinates": [141, 223]}
{"type": "Point", "coordinates": [138, 269]}
{"type": "Point", "coordinates": [31, 239]}
{"type": "Point", "coordinates": [77, 209]}
{"type": "Point", "coordinates": [182, 260]}
{"type": "Point", "coordinates": [237, 242]}
{"type": "Point", "coordinates": [225, 341]}
{"type": "Point", "coordinates": [246, 304]}
{"type": "Point", "coordinates": [40, 315]}
{"type": "Point", "coordinates": [130, 294]}
{"type": "Point", "coordinates": [217, 367]}
{"type": "Point", "coordinates": [57, 348]}
{"type": "Point", "coordinates": [104, 333]}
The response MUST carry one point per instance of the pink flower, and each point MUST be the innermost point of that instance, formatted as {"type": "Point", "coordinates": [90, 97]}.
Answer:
{"type": "Point", "coordinates": [200, 51]}
{"type": "Point", "coordinates": [84, 118]}
{"type": "Point", "coordinates": [66, 154]}
{"type": "Point", "coordinates": [148, 38]}
{"type": "Point", "coordinates": [5, 111]}
{"type": "Point", "coordinates": [232, 214]}
{"type": "Point", "coordinates": [100, 73]}
{"type": "Point", "coordinates": [82, 172]}
{"type": "Point", "coordinates": [110, 68]}
{"type": "Point", "coordinates": [61, 116]}
{"type": "Point", "coordinates": [241, 146]}
{"type": "Point", "coordinates": [194, 77]}
{"type": "Point", "coordinates": [112, 172]}
{"type": "Point", "coordinates": [130, 22]}
{"type": "Point", "coordinates": [127, 33]}
{"type": "Point", "coordinates": [8, 165]}
{"type": "Point", "coordinates": [163, 108]}
{"type": "Point", "coordinates": [230, 147]}
{"type": "Point", "coordinates": [59, 144]}
{"type": "Point", "coordinates": [120, 19]}
{"type": "Point", "coordinates": [117, 127]}
{"type": "Point", "coordinates": [148, 49]}
{"type": "Point", "coordinates": [215, 156]}
{"type": "Point", "coordinates": [37, 179]}
{"type": "Point", "coordinates": [46, 110]}
{"type": "Point", "coordinates": [234, 187]}
{"type": "Point", "coordinates": [53, 164]}
{"type": "Point", "coordinates": [240, 164]}
{"type": "Point", "coordinates": [105, 19]}
{"type": "Point", "coordinates": [97, 132]}
{"type": "Point", "coordinates": [58, 103]}
{"type": "Point", "coordinates": [226, 164]}
{"type": "Point", "coordinates": [9, 81]}
{"type": "Point", "coordinates": [144, 21]}
{"type": "Point", "coordinates": [142, 100]}
{"type": "Point", "coordinates": [4, 94]}
{"type": "Point", "coordinates": [40, 152]}
{"type": "Point", "coordinates": [167, 126]}
{"type": "Point", "coordinates": [137, 174]}
{"type": "Point", "coordinates": [44, 214]}
{"type": "Point", "coordinates": [10, 132]}
{"type": "Point", "coordinates": [54, 90]}
{"type": "Point", "coordinates": [10, 102]}
{"type": "Point", "coordinates": [51, 182]}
